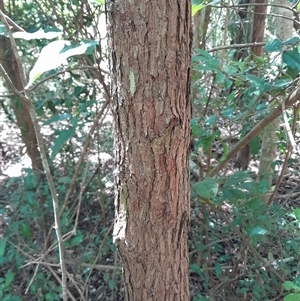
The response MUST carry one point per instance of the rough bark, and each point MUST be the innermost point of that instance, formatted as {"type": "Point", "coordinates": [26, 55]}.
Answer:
{"type": "Point", "coordinates": [150, 43]}
{"type": "Point", "coordinates": [259, 23]}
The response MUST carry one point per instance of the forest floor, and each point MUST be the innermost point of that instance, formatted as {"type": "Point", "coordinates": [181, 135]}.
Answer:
{"type": "Point", "coordinates": [219, 260]}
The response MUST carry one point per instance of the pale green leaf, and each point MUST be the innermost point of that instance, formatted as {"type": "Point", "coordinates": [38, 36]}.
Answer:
{"type": "Point", "coordinates": [289, 285]}
{"type": "Point", "coordinates": [196, 8]}
{"type": "Point", "coordinates": [55, 54]}
{"type": "Point", "coordinates": [292, 297]}
{"type": "Point", "coordinates": [297, 213]}
{"type": "Point", "coordinates": [101, 2]}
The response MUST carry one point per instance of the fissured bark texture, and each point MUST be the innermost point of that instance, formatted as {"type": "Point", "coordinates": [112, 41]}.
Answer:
{"type": "Point", "coordinates": [150, 43]}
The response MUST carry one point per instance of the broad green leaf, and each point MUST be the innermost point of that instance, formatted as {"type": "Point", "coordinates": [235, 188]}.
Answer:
{"type": "Point", "coordinates": [292, 59]}
{"type": "Point", "coordinates": [55, 54]}
{"type": "Point", "coordinates": [296, 212]}
{"type": "Point", "coordinates": [25, 229]}
{"type": "Point", "coordinates": [2, 246]}
{"type": "Point", "coordinates": [196, 8]}
{"type": "Point", "coordinates": [208, 188]}
{"type": "Point", "coordinates": [292, 297]}
{"type": "Point", "coordinates": [62, 138]}
{"type": "Point", "coordinates": [291, 41]}
{"type": "Point", "coordinates": [257, 230]}
{"type": "Point", "coordinates": [195, 268]}
{"type": "Point", "coordinates": [48, 297]}
{"type": "Point", "coordinates": [9, 277]}
{"type": "Point", "coordinates": [233, 194]}
{"type": "Point", "coordinates": [220, 77]}
{"type": "Point", "coordinates": [236, 179]}
{"type": "Point", "coordinates": [289, 285]}
{"type": "Point", "coordinates": [275, 45]}
{"type": "Point", "coordinates": [282, 83]}
{"type": "Point", "coordinates": [76, 240]}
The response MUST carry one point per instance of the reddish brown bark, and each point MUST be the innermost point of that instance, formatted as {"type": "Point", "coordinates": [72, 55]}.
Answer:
{"type": "Point", "coordinates": [258, 27]}
{"type": "Point", "coordinates": [150, 43]}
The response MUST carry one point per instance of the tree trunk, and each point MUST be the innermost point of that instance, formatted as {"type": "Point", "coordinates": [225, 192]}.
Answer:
{"type": "Point", "coordinates": [150, 43]}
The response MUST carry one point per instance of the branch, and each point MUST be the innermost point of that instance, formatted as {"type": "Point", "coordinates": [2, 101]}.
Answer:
{"type": "Point", "coordinates": [237, 46]}
{"type": "Point", "coordinates": [43, 153]}
{"type": "Point", "coordinates": [291, 100]}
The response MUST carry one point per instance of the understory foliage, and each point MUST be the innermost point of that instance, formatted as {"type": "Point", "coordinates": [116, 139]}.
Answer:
{"type": "Point", "coordinates": [241, 247]}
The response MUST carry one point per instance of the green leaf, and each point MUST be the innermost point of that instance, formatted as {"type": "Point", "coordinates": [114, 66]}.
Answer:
{"type": "Point", "coordinates": [292, 59]}
{"type": "Point", "coordinates": [111, 284]}
{"type": "Point", "coordinates": [25, 229]}
{"type": "Point", "coordinates": [195, 268]}
{"type": "Point", "coordinates": [9, 277]}
{"type": "Point", "coordinates": [48, 296]}
{"type": "Point", "coordinates": [289, 285]}
{"type": "Point", "coordinates": [233, 194]}
{"type": "Point", "coordinates": [220, 77]}
{"type": "Point", "coordinates": [62, 138]}
{"type": "Point", "coordinates": [3, 241]}
{"type": "Point", "coordinates": [76, 240]}
{"type": "Point", "coordinates": [292, 297]}
{"type": "Point", "coordinates": [225, 151]}
{"type": "Point", "coordinates": [296, 212]}
{"type": "Point", "coordinates": [58, 51]}
{"type": "Point", "coordinates": [101, 2]}
{"type": "Point", "coordinates": [218, 269]}
{"type": "Point", "coordinates": [208, 188]}
{"type": "Point", "coordinates": [257, 230]}
{"type": "Point", "coordinates": [275, 45]}
{"type": "Point", "coordinates": [282, 83]}
{"type": "Point", "coordinates": [196, 8]}
{"type": "Point", "coordinates": [255, 145]}
{"type": "Point", "coordinates": [291, 41]}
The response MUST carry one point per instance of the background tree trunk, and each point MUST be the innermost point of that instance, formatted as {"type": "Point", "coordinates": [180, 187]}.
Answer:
{"type": "Point", "coordinates": [150, 43]}
{"type": "Point", "coordinates": [24, 122]}
{"type": "Point", "coordinates": [284, 31]}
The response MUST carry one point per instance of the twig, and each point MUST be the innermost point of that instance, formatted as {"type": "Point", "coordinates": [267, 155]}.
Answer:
{"type": "Point", "coordinates": [12, 23]}
{"type": "Point", "coordinates": [43, 154]}
{"type": "Point", "coordinates": [289, 150]}
{"type": "Point", "coordinates": [289, 101]}
{"type": "Point", "coordinates": [265, 262]}
{"type": "Point", "coordinates": [233, 46]}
